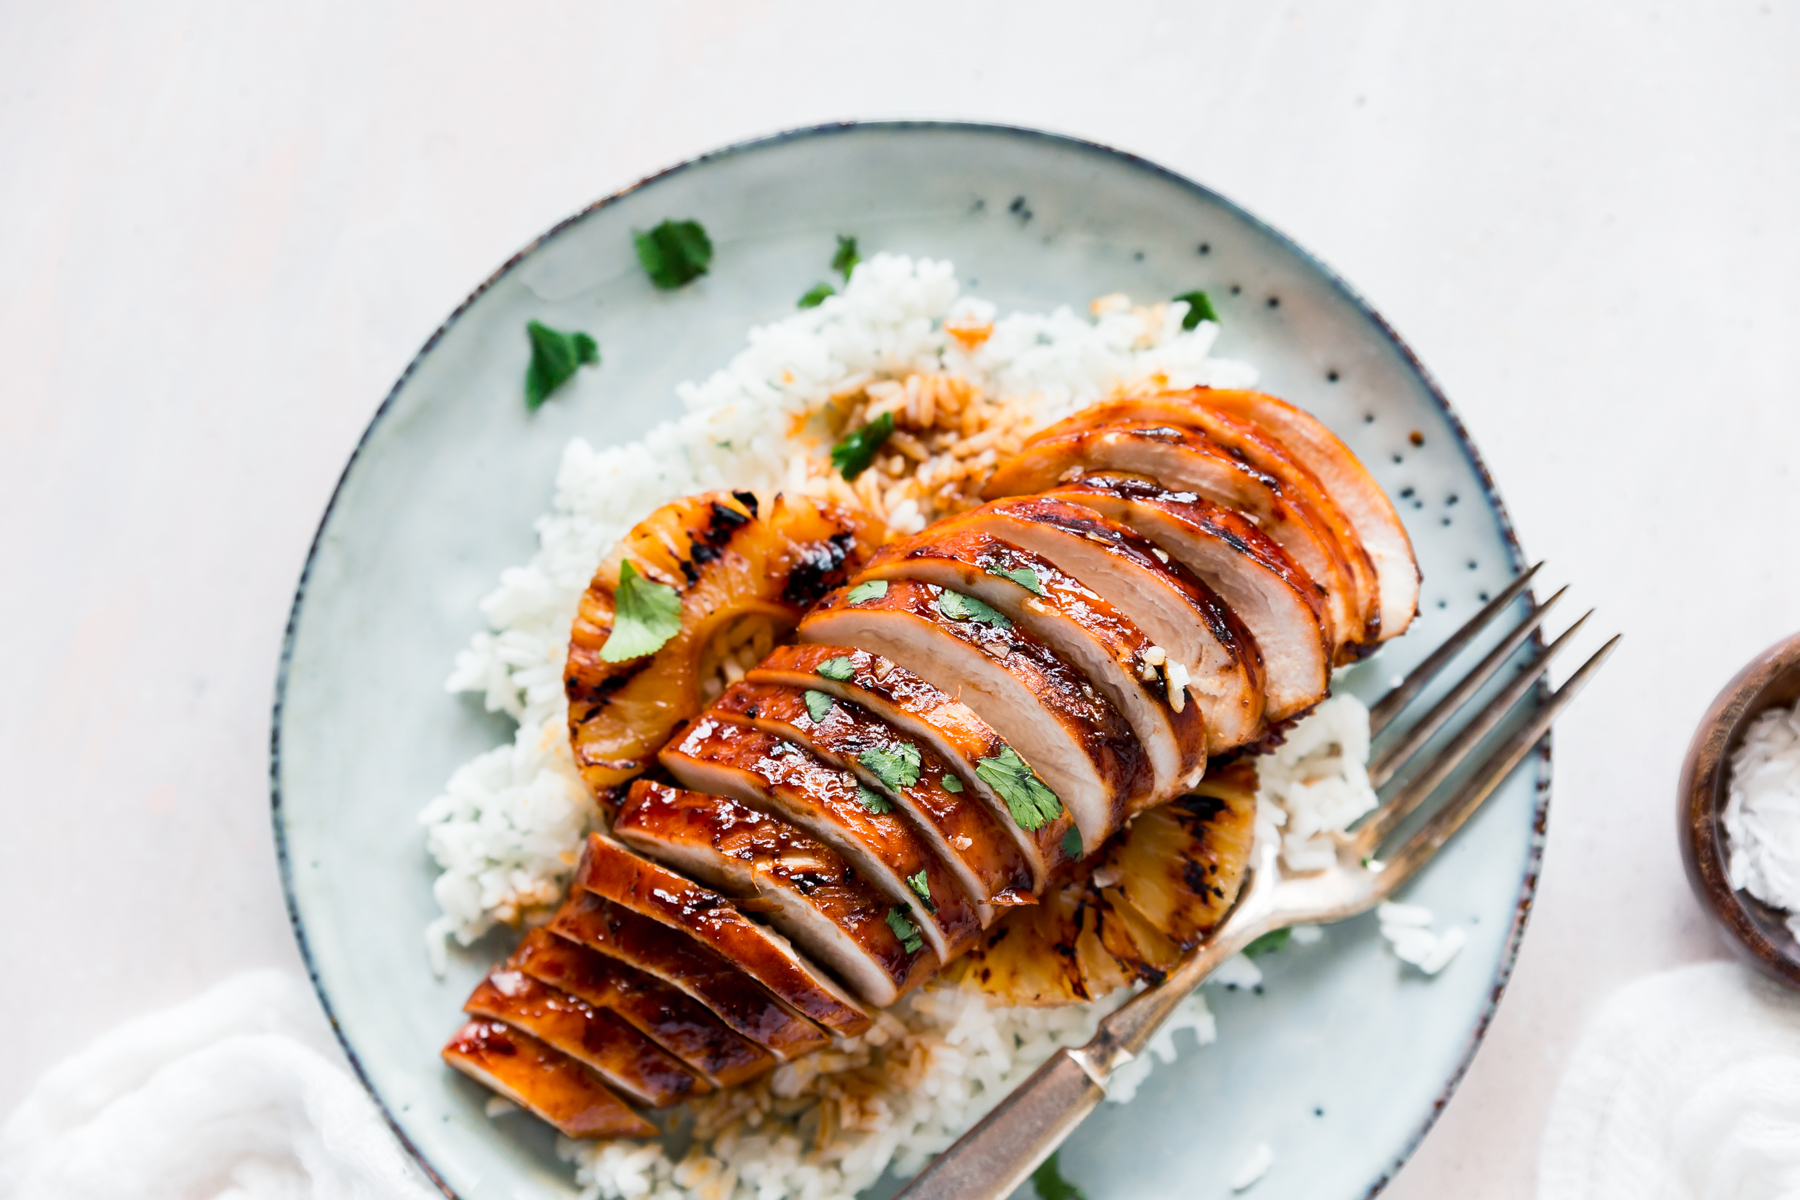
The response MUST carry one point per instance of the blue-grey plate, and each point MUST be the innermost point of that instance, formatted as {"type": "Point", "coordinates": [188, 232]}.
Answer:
{"type": "Point", "coordinates": [1342, 1060]}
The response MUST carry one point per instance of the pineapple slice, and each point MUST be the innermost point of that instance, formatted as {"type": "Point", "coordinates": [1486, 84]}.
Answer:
{"type": "Point", "coordinates": [1180, 866]}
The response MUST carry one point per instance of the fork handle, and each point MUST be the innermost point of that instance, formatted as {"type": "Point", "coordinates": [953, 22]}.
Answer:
{"type": "Point", "coordinates": [1008, 1144]}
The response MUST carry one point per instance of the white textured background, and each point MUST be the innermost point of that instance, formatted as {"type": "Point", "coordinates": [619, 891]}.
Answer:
{"type": "Point", "coordinates": [226, 227]}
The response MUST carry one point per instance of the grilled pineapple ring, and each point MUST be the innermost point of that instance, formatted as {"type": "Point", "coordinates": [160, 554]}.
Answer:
{"type": "Point", "coordinates": [743, 576]}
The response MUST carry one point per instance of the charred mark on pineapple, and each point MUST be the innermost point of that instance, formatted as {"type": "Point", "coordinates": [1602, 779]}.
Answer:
{"type": "Point", "coordinates": [820, 569]}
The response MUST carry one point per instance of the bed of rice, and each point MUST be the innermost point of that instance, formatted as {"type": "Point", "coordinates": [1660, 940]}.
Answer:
{"type": "Point", "coordinates": [965, 385]}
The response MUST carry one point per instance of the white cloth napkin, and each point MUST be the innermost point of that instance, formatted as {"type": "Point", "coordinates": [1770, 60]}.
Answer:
{"type": "Point", "coordinates": [1684, 1086]}
{"type": "Point", "coordinates": [239, 1094]}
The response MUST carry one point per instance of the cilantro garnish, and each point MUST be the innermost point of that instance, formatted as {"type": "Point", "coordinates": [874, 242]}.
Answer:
{"type": "Point", "coordinates": [1050, 1184]}
{"type": "Point", "coordinates": [1200, 308]}
{"type": "Point", "coordinates": [674, 253]}
{"type": "Point", "coordinates": [846, 258]}
{"type": "Point", "coordinates": [873, 800]}
{"type": "Point", "coordinates": [1268, 943]}
{"type": "Point", "coordinates": [818, 705]}
{"type": "Point", "coordinates": [959, 607]}
{"type": "Point", "coordinates": [1025, 577]}
{"type": "Point", "coordinates": [875, 589]}
{"type": "Point", "coordinates": [839, 668]}
{"type": "Point", "coordinates": [856, 451]}
{"type": "Point", "coordinates": [555, 357]}
{"type": "Point", "coordinates": [952, 783]}
{"type": "Point", "coordinates": [922, 888]}
{"type": "Point", "coordinates": [815, 295]}
{"type": "Point", "coordinates": [905, 930]}
{"type": "Point", "coordinates": [1071, 843]}
{"type": "Point", "coordinates": [898, 768]}
{"type": "Point", "coordinates": [645, 615]}
{"type": "Point", "coordinates": [1030, 801]}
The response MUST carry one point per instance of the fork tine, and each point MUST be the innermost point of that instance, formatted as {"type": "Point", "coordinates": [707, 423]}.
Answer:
{"type": "Point", "coordinates": [1382, 822]}
{"type": "Point", "coordinates": [1389, 706]}
{"type": "Point", "coordinates": [1425, 843]}
{"type": "Point", "coordinates": [1392, 758]}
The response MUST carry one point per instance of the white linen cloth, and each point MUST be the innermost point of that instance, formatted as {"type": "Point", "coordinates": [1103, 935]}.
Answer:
{"type": "Point", "coordinates": [1684, 1086]}
{"type": "Point", "coordinates": [238, 1094]}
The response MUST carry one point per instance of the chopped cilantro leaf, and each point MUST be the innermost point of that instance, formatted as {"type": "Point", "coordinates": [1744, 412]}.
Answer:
{"type": "Point", "coordinates": [839, 668]}
{"type": "Point", "coordinates": [555, 357]}
{"type": "Point", "coordinates": [875, 589]}
{"type": "Point", "coordinates": [1071, 843]}
{"type": "Point", "coordinates": [1025, 577]}
{"type": "Point", "coordinates": [1200, 309]}
{"type": "Point", "coordinates": [905, 930]}
{"type": "Point", "coordinates": [846, 258]}
{"type": "Point", "coordinates": [818, 705]}
{"type": "Point", "coordinates": [922, 888]}
{"type": "Point", "coordinates": [952, 783]}
{"type": "Point", "coordinates": [815, 295]}
{"type": "Point", "coordinates": [645, 615]}
{"type": "Point", "coordinates": [674, 253]}
{"type": "Point", "coordinates": [897, 768]}
{"type": "Point", "coordinates": [1050, 1185]}
{"type": "Point", "coordinates": [1029, 800]}
{"type": "Point", "coordinates": [959, 607]}
{"type": "Point", "coordinates": [1268, 943]}
{"type": "Point", "coordinates": [856, 451]}
{"type": "Point", "coordinates": [873, 800]}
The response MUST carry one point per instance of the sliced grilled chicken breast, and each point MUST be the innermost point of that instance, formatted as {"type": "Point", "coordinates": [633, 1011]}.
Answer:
{"type": "Point", "coordinates": [1066, 730]}
{"type": "Point", "coordinates": [1178, 612]}
{"type": "Point", "coordinates": [1255, 577]}
{"type": "Point", "coordinates": [542, 1080]}
{"type": "Point", "coordinates": [1254, 445]}
{"type": "Point", "coordinates": [1074, 621]}
{"type": "Point", "coordinates": [812, 895]}
{"type": "Point", "coordinates": [614, 873]}
{"type": "Point", "coordinates": [903, 700]}
{"type": "Point", "coordinates": [613, 1050]}
{"type": "Point", "coordinates": [778, 777]}
{"type": "Point", "coordinates": [1187, 460]}
{"type": "Point", "coordinates": [982, 856]}
{"type": "Point", "coordinates": [1356, 492]}
{"type": "Point", "coordinates": [733, 996]}
{"type": "Point", "coordinates": [664, 1014]}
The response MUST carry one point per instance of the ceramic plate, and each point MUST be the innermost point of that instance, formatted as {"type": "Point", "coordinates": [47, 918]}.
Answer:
{"type": "Point", "coordinates": [1339, 1063]}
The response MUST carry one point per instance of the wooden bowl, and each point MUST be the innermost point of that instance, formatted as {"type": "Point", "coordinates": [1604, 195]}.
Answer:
{"type": "Point", "coordinates": [1758, 932]}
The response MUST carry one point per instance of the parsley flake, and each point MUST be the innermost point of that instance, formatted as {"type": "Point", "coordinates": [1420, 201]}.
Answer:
{"type": "Point", "coordinates": [905, 930]}
{"type": "Point", "coordinates": [1025, 577]}
{"type": "Point", "coordinates": [1047, 1180]}
{"type": "Point", "coordinates": [1030, 801]}
{"type": "Point", "coordinates": [875, 589]}
{"type": "Point", "coordinates": [674, 253]}
{"type": "Point", "coordinates": [818, 705]}
{"type": "Point", "coordinates": [959, 607]}
{"type": "Point", "coordinates": [815, 295]}
{"type": "Point", "coordinates": [873, 800]}
{"type": "Point", "coordinates": [1200, 308]}
{"type": "Point", "coordinates": [1071, 843]}
{"type": "Point", "coordinates": [645, 615]}
{"type": "Point", "coordinates": [853, 455]}
{"type": "Point", "coordinates": [1268, 943]}
{"type": "Point", "coordinates": [846, 258]}
{"type": "Point", "coordinates": [952, 783]}
{"type": "Point", "coordinates": [897, 767]}
{"type": "Point", "coordinates": [839, 668]}
{"type": "Point", "coordinates": [555, 357]}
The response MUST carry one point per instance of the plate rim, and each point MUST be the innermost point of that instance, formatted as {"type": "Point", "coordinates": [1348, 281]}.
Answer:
{"type": "Point", "coordinates": [1542, 754]}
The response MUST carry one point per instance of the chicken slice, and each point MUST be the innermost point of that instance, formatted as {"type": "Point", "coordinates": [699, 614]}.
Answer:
{"type": "Point", "coordinates": [1075, 622]}
{"type": "Point", "coordinates": [1255, 577]}
{"type": "Point", "coordinates": [982, 856]}
{"type": "Point", "coordinates": [640, 942]}
{"type": "Point", "coordinates": [778, 777]}
{"type": "Point", "coordinates": [664, 1014]}
{"type": "Point", "coordinates": [812, 895]}
{"type": "Point", "coordinates": [908, 703]}
{"type": "Point", "coordinates": [1255, 446]}
{"type": "Point", "coordinates": [1195, 629]}
{"type": "Point", "coordinates": [1187, 460]}
{"type": "Point", "coordinates": [1070, 735]}
{"type": "Point", "coordinates": [613, 1050]}
{"type": "Point", "coordinates": [614, 873]}
{"type": "Point", "coordinates": [1350, 484]}
{"type": "Point", "coordinates": [544, 1081]}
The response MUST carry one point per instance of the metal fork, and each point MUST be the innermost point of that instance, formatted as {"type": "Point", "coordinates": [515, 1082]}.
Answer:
{"type": "Point", "coordinates": [999, 1153]}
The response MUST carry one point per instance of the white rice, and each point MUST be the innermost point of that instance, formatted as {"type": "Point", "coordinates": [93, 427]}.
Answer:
{"type": "Point", "coordinates": [1762, 812]}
